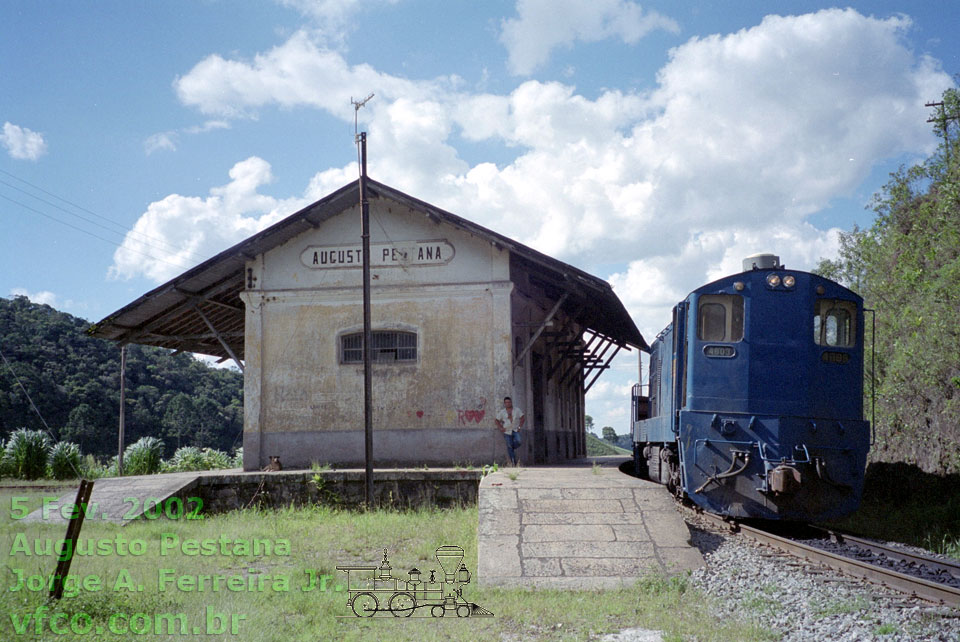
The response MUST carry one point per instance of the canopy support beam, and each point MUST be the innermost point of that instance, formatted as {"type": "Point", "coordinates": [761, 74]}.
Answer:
{"type": "Point", "coordinates": [196, 308]}
{"type": "Point", "coordinates": [543, 326]}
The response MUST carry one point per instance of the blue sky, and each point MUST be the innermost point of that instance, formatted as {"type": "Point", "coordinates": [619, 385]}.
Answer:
{"type": "Point", "coordinates": [653, 144]}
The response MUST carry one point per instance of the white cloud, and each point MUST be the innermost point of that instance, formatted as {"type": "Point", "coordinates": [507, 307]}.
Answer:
{"type": "Point", "coordinates": [215, 362]}
{"type": "Point", "coordinates": [208, 126]}
{"type": "Point", "coordinates": [298, 72]}
{"type": "Point", "coordinates": [22, 143]}
{"type": "Point", "coordinates": [543, 25]}
{"type": "Point", "coordinates": [195, 228]}
{"type": "Point", "coordinates": [608, 401]}
{"type": "Point", "coordinates": [168, 140]}
{"type": "Point", "coordinates": [44, 297]}
{"type": "Point", "coordinates": [332, 17]}
{"type": "Point", "coordinates": [161, 141]}
{"type": "Point", "coordinates": [744, 137]}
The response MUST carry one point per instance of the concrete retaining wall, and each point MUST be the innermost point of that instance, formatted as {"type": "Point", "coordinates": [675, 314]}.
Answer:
{"type": "Point", "coordinates": [396, 488]}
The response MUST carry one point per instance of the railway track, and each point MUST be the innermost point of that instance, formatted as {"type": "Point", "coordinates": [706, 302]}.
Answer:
{"type": "Point", "coordinates": [939, 592]}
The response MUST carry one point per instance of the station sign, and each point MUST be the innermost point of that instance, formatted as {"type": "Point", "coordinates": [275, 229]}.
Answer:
{"type": "Point", "coordinates": [382, 255]}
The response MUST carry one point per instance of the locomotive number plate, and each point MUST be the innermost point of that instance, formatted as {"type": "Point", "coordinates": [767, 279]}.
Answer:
{"type": "Point", "coordinates": [723, 352]}
{"type": "Point", "coordinates": [835, 357]}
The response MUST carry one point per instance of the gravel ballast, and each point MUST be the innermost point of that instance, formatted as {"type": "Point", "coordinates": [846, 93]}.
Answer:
{"type": "Point", "coordinates": [807, 602]}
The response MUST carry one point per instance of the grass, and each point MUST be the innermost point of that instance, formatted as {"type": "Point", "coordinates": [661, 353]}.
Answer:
{"type": "Point", "coordinates": [597, 447]}
{"type": "Point", "coordinates": [841, 607]}
{"type": "Point", "coordinates": [9, 483]}
{"type": "Point", "coordinates": [320, 538]}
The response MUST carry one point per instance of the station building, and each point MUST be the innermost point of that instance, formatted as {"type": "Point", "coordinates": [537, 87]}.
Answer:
{"type": "Point", "coordinates": [461, 317]}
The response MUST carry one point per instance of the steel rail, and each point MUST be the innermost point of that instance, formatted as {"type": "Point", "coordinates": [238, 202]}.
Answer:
{"type": "Point", "coordinates": [945, 566]}
{"type": "Point", "coordinates": [924, 589]}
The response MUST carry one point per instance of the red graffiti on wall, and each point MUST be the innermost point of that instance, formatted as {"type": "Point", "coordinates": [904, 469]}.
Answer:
{"type": "Point", "coordinates": [470, 416]}
{"type": "Point", "coordinates": [473, 415]}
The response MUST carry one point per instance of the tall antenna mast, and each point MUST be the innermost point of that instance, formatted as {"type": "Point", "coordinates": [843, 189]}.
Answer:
{"type": "Point", "coordinates": [357, 104]}
{"type": "Point", "coordinates": [361, 141]}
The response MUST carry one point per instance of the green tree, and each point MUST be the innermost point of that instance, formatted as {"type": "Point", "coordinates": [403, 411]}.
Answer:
{"type": "Point", "coordinates": [907, 268]}
{"type": "Point", "coordinates": [75, 381]}
{"type": "Point", "coordinates": [88, 429]}
{"type": "Point", "coordinates": [180, 420]}
{"type": "Point", "coordinates": [609, 434]}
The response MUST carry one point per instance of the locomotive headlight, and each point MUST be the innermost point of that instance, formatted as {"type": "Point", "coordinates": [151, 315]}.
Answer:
{"type": "Point", "coordinates": [773, 280]}
{"type": "Point", "coordinates": [789, 281]}
{"type": "Point", "coordinates": [738, 286]}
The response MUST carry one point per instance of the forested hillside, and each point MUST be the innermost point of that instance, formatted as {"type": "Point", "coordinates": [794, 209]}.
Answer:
{"type": "Point", "coordinates": [907, 267]}
{"type": "Point", "coordinates": [75, 382]}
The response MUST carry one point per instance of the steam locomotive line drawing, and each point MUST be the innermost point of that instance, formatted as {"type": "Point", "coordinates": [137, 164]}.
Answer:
{"type": "Point", "coordinates": [373, 589]}
{"type": "Point", "coordinates": [754, 406]}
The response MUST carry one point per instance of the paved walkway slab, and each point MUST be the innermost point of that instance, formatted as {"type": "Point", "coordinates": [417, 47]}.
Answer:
{"type": "Point", "coordinates": [578, 526]}
{"type": "Point", "coordinates": [119, 499]}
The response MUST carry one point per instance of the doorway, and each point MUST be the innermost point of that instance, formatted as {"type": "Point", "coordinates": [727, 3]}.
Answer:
{"type": "Point", "coordinates": [539, 438]}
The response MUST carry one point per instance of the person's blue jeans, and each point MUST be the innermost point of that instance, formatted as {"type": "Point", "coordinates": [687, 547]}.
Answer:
{"type": "Point", "coordinates": [513, 444]}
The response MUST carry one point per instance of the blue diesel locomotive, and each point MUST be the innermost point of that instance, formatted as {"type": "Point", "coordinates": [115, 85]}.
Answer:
{"type": "Point", "coordinates": [755, 400]}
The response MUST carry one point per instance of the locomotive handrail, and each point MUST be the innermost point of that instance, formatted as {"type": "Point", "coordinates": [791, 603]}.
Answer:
{"type": "Point", "coordinates": [816, 447]}
{"type": "Point", "coordinates": [708, 441]}
{"type": "Point", "coordinates": [784, 459]}
{"type": "Point", "coordinates": [873, 375]}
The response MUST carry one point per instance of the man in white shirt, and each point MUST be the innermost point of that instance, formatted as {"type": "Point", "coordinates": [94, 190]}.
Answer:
{"type": "Point", "coordinates": [509, 421]}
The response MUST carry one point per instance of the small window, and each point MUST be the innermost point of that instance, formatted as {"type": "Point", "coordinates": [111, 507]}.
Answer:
{"type": "Point", "coordinates": [834, 323]}
{"type": "Point", "coordinates": [386, 346]}
{"type": "Point", "coordinates": [720, 317]}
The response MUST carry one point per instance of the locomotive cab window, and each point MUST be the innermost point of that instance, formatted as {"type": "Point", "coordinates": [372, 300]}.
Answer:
{"type": "Point", "coordinates": [387, 346]}
{"type": "Point", "coordinates": [720, 317]}
{"type": "Point", "coordinates": [835, 323]}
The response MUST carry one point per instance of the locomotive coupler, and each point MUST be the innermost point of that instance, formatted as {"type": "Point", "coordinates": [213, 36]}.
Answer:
{"type": "Point", "coordinates": [783, 476]}
{"type": "Point", "coordinates": [784, 480]}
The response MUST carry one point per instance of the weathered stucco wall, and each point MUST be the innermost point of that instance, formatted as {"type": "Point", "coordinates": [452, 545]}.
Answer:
{"type": "Point", "coordinates": [452, 289]}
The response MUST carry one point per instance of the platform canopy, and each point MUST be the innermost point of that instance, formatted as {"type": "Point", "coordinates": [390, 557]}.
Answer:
{"type": "Point", "coordinates": [201, 311]}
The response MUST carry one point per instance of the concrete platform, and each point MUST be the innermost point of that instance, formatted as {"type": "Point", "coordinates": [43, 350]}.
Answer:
{"type": "Point", "coordinates": [577, 526]}
{"type": "Point", "coordinates": [120, 499]}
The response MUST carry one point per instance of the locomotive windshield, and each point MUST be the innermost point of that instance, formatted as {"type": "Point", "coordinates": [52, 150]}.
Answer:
{"type": "Point", "coordinates": [834, 323]}
{"type": "Point", "coordinates": [720, 317]}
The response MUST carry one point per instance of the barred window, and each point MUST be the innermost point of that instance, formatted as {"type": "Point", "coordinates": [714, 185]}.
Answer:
{"type": "Point", "coordinates": [387, 345]}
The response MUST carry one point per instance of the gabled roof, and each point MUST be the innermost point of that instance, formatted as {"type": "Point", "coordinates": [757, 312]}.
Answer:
{"type": "Point", "coordinates": [189, 311]}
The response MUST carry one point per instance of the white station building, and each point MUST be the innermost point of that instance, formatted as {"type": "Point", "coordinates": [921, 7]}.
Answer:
{"type": "Point", "coordinates": [461, 317]}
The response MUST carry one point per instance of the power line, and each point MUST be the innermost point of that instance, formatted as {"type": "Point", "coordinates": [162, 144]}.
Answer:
{"type": "Point", "coordinates": [35, 409]}
{"type": "Point", "coordinates": [143, 238]}
{"type": "Point", "coordinates": [89, 233]}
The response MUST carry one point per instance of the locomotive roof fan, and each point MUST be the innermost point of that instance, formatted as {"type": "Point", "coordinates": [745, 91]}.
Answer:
{"type": "Point", "coordinates": [761, 262]}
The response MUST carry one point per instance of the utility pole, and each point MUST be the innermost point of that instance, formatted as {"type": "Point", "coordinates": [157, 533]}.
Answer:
{"type": "Point", "coordinates": [123, 395]}
{"type": "Point", "coordinates": [367, 334]}
{"type": "Point", "coordinates": [943, 119]}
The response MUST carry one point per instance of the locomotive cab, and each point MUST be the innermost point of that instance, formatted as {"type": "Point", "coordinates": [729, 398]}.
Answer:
{"type": "Point", "coordinates": [755, 397]}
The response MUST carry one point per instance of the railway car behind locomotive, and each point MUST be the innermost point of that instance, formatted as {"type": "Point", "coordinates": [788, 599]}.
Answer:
{"type": "Point", "coordinates": [755, 404]}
